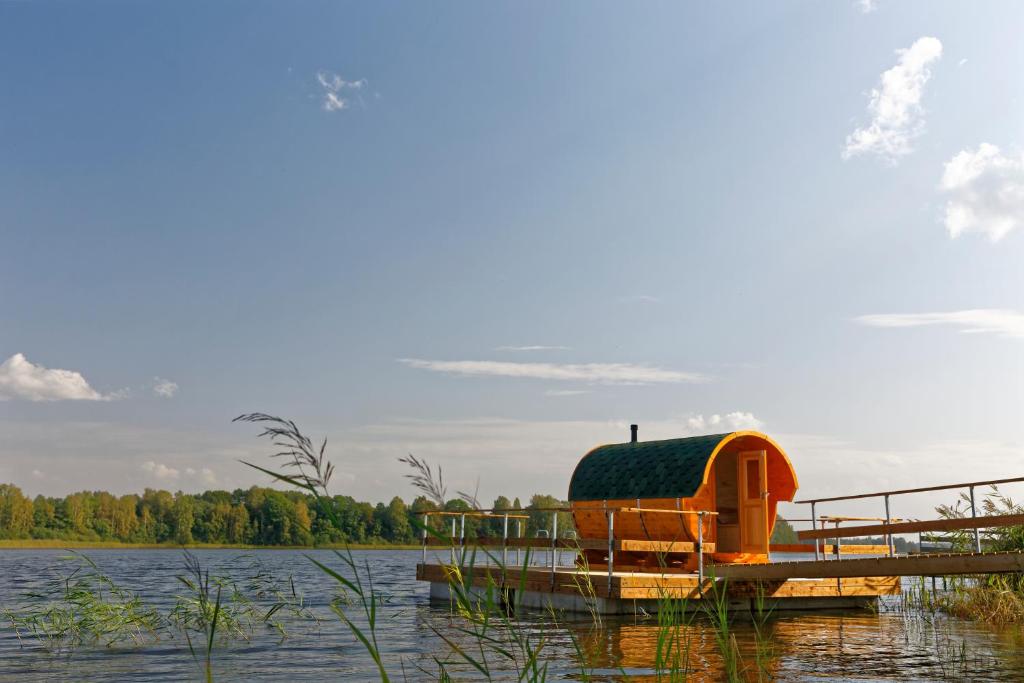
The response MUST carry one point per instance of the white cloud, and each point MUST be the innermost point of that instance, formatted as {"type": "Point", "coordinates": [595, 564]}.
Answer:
{"type": "Point", "coordinates": [160, 471]}
{"type": "Point", "coordinates": [164, 387]}
{"type": "Point", "coordinates": [203, 475]}
{"type": "Point", "coordinates": [20, 378]}
{"type": "Point", "coordinates": [599, 373]}
{"type": "Point", "coordinates": [730, 422]}
{"type": "Point", "coordinates": [986, 190]}
{"type": "Point", "coordinates": [1002, 323]}
{"type": "Point", "coordinates": [335, 89]}
{"type": "Point", "coordinates": [38, 474]}
{"type": "Point", "coordinates": [535, 347]}
{"type": "Point", "coordinates": [565, 392]}
{"type": "Point", "coordinates": [895, 106]}
{"type": "Point", "coordinates": [830, 466]}
{"type": "Point", "coordinates": [867, 6]}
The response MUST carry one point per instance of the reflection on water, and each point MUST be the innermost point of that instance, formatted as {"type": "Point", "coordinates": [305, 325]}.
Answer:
{"type": "Point", "coordinates": [812, 646]}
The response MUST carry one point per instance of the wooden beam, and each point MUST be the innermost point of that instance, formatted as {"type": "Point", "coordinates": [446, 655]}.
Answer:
{"type": "Point", "coordinates": [845, 549]}
{"type": "Point", "coordinates": [917, 565]}
{"type": "Point", "coordinates": [914, 527]}
{"type": "Point", "coordinates": [661, 546]}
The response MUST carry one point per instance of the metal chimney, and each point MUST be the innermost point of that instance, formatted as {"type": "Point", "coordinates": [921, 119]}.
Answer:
{"type": "Point", "coordinates": [632, 433]}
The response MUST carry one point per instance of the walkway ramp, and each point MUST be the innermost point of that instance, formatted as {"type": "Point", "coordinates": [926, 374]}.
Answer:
{"type": "Point", "coordinates": [915, 565]}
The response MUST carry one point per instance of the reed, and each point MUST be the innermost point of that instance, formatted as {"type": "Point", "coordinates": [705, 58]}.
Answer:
{"type": "Point", "coordinates": [81, 606]}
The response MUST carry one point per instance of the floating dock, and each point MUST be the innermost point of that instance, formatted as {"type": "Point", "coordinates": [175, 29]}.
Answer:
{"type": "Point", "coordinates": [574, 590]}
{"type": "Point", "coordinates": [691, 519]}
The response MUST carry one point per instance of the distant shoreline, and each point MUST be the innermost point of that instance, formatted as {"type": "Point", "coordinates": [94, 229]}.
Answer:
{"type": "Point", "coordinates": [58, 544]}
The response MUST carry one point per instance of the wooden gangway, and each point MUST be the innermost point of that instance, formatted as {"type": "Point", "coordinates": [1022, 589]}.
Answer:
{"type": "Point", "coordinates": [939, 564]}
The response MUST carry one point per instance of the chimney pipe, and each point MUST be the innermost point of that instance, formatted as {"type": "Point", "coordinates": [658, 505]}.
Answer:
{"type": "Point", "coordinates": [632, 433]}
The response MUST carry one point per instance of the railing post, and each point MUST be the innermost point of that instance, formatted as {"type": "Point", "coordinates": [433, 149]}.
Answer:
{"type": "Point", "coordinates": [453, 540]}
{"type": "Point", "coordinates": [977, 533]}
{"type": "Point", "coordinates": [838, 542]}
{"type": "Point", "coordinates": [554, 546]}
{"type": "Point", "coordinates": [888, 521]}
{"type": "Point", "coordinates": [814, 524]}
{"type": "Point", "coordinates": [424, 539]}
{"type": "Point", "coordinates": [504, 542]}
{"type": "Point", "coordinates": [519, 535]}
{"type": "Point", "coordinates": [700, 552]}
{"type": "Point", "coordinates": [611, 549]}
{"type": "Point", "coordinates": [820, 524]}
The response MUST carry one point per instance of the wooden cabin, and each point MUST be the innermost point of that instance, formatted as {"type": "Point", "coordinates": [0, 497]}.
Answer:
{"type": "Point", "coordinates": [741, 476]}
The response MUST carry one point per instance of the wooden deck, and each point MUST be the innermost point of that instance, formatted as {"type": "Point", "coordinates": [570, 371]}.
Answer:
{"type": "Point", "coordinates": [938, 564]}
{"type": "Point", "coordinates": [654, 586]}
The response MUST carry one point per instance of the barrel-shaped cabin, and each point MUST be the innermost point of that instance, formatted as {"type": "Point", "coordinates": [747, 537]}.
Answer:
{"type": "Point", "coordinates": [739, 476]}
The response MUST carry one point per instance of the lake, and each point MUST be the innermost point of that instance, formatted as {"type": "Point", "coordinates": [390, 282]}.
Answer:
{"type": "Point", "coordinates": [889, 645]}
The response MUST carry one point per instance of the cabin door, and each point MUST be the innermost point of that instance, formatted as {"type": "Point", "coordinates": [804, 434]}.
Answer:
{"type": "Point", "coordinates": [753, 501]}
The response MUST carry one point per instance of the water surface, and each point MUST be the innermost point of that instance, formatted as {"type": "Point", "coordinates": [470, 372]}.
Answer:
{"type": "Point", "coordinates": [858, 645]}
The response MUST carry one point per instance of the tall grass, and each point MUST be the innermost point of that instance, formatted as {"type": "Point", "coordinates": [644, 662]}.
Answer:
{"type": "Point", "coordinates": [81, 606]}
{"type": "Point", "coordinates": [992, 598]}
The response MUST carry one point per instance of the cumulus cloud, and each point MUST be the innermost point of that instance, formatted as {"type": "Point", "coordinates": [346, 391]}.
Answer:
{"type": "Point", "coordinates": [164, 387]}
{"type": "Point", "coordinates": [160, 471]}
{"type": "Point", "coordinates": [867, 6]}
{"type": "Point", "coordinates": [730, 422]}
{"type": "Point", "coordinates": [897, 116]}
{"type": "Point", "coordinates": [535, 347]}
{"type": "Point", "coordinates": [1001, 323]}
{"type": "Point", "coordinates": [598, 373]}
{"type": "Point", "coordinates": [336, 90]}
{"type": "Point", "coordinates": [204, 475]}
{"type": "Point", "coordinates": [20, 378]}
{"type": "Point", "coordinates": [986, 192]}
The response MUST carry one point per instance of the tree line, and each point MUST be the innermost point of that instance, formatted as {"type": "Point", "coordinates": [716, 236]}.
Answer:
{"type": "Point", "coordinates": [256, 516]}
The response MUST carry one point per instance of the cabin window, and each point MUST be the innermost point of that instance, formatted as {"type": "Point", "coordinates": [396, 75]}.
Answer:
{"type": "Point", "coordinates": [753, 479]}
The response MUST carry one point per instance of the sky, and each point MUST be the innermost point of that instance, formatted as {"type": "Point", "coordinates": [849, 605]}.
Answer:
{"type": "Point", "coordinates": [493, 235]}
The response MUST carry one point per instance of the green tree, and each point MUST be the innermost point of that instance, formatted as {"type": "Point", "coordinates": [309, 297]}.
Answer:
{"type": "Point", "coordinates": [16, 512]}
{"type": "Point", "coordinates": [183, 517]}
{"type": "Point", "coordinates": [238, 524]}
{"type": "Point", "coordinates": [496, 525]}
{"type": "Point", "coordinates": [541, 516]}
{"type": "Point", "coordinates": [44, 513]}
{"type": "Point", "coordinates": [396, 522]}
{"type": "Point", "coordinates": [783, 532]}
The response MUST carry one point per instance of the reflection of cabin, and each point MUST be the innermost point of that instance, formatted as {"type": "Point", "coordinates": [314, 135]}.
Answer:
{"type": "Point", "coordinates": [741, 476]}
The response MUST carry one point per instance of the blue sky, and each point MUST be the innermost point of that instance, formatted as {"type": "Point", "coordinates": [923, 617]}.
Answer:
{"type": "Point", "coordinates": [803, 217]}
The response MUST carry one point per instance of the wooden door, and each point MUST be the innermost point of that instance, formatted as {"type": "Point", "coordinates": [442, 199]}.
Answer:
{"type": "Point", "coordinates": [753, 501]}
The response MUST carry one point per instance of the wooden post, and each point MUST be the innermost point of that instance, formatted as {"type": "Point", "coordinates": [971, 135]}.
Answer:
{"type": "Point", "coordinates": [700, 552]}
{"type": "Point", "coordinates": [888, 537]}
{"type": "Point", "coordinates": [611, 549]}
{"type": "Point", "coordinates": [977, 533]}
{"type": "Point", "coordinates": [814, 524]}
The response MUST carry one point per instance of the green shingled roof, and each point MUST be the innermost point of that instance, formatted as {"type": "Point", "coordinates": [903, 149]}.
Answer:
{"type": "Point", "coordinates": [673, 468]}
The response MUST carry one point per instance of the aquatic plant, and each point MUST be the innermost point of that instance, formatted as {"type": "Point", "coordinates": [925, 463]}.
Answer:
{"type": "Point", "coordinates": [82, 606]}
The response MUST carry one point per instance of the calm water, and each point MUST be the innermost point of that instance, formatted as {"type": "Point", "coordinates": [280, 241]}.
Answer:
{"type": "Point", "coordinates": [850, 646]}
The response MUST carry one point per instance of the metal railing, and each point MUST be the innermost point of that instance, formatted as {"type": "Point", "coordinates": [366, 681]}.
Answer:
{"type": "Point", "coordinates": [551, 539]}
{"type": "Point", "coordinates": [886, 495]}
